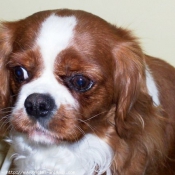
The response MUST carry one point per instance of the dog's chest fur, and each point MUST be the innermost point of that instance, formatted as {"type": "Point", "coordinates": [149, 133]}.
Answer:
{"type": "Point", "coordinates": [84, 157]}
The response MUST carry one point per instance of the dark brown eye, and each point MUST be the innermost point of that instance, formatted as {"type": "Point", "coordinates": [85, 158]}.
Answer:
{"type": "Point", "coordinates": [79, 83]}
{"type": "Point", "coordinates": [20, 73]}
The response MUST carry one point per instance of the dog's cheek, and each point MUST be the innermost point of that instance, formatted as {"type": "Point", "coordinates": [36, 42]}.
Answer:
{"type": "Point", "coordinates": [66, 123]}
{"type": "Point", "coordinates": [96, 102]}
{"type": "Point", "coordinates": [20, 122]}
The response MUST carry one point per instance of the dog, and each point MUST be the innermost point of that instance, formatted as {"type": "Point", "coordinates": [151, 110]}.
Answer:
{"type": "Point", "coordinates": [82, 98]}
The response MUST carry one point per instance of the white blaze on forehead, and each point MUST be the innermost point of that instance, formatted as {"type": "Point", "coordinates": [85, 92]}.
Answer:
{"type": "Point", "coordinates": [54, 36]}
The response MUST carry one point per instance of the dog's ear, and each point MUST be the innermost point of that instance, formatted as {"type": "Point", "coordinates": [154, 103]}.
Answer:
{"type": "Point", "coordinates": [130, 85]}
{"type": "Point", "coordinates": [6, 42]}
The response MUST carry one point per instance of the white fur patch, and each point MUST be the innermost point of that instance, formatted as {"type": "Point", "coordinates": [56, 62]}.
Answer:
{"type": "Point", "coordinates": [55, 35]}
{"type": "Point", "coordinates": [152, 87]}
{"type": "Point", "coordinates": [84, 157]}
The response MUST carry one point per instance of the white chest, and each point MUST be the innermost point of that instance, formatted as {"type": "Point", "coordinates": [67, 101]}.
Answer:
{"type": "Point", "coordinates": [84, 157]}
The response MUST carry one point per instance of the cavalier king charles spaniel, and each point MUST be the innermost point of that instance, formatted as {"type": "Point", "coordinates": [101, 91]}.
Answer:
{"type": "Point", "coordinates": [82, 98]}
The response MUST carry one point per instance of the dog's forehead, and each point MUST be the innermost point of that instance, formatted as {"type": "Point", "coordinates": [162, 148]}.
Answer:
{"type": "Point", "coordinates": [55, 35]}
{"type": "Point", "coordinates": [52, 32]}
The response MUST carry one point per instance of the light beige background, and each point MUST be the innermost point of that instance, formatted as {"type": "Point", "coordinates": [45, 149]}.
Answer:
{"type": "Point", "coordinates": [153, 21]}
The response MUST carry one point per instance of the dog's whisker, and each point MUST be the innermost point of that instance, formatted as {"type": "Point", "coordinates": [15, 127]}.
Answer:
{"type": "Point", "coordinates": [81, 130]}
{"type": "Point", "coordinates": [95, 116]}
{"type": "Point", "coordinates": [73, 135]}
{"type": "Point", "coordinates": [5, 112]}
{"type": "Point", "coordinates": [5, 109]}
{"type": "Point", "coordinates": [8, 128]}
{"type": "Point", "coordinates": [87, 124]}
{"type": "Point", "coordinates": [5, 126]}
{"type": "Point", "coordinates": [4, 118]}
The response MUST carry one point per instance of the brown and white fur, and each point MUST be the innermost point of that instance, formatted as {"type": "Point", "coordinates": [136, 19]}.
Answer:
{"type": "Point", "coordinates": [83, 98]}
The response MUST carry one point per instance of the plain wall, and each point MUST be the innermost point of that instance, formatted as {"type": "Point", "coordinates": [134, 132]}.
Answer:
{"type": "Point", "coordinates": [153, 21]}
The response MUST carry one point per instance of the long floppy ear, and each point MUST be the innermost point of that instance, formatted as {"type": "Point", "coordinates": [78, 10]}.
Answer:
{"type": "Point", "coordinates": [6, 40]}
{"type": "Point", "coordinates": [130, 85]}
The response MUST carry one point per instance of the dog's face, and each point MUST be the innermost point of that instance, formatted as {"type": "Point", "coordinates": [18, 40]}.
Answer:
{"type": "Point", "coordinates": [67, 71]}
{"type": "Point", "coordinates": [60, 77]}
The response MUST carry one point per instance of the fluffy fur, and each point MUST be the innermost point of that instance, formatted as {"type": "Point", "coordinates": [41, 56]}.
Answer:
{"type": "Point", "coordinates": [78, 158]}
{"type": "Point", "coordinates": [110, 107]}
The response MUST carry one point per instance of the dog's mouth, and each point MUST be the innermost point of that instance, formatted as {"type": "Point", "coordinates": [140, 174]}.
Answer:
{"type": "Point", "coordinates": [33, 130]}
{"type": "Point", "coordinates": [40, 135]}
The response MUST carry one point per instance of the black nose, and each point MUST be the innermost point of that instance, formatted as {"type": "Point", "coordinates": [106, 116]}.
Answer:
{"type": "Point", "coordinates": [39, 105]}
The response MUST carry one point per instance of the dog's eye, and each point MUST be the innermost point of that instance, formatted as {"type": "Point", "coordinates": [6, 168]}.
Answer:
{"type": "Point", "coordinates": [79, 83]}
{"type": "Point", "coordinates": [20, 73]}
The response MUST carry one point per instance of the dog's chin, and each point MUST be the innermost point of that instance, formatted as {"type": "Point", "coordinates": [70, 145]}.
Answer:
{"type": "Point", "coordinates": [42, 137]}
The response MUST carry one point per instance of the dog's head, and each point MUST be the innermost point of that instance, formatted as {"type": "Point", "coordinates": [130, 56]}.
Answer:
{"type": "Point", "coordinates": [65, 71]}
